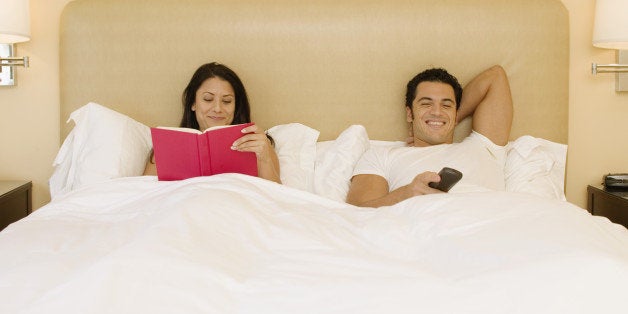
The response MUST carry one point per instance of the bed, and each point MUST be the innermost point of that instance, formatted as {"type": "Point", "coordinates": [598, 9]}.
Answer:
{"type": "Point", "coordinates": [326, 79]}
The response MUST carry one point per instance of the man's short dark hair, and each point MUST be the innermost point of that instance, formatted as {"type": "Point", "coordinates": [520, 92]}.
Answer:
{"type": "Point", "coordinates": [433, 75]}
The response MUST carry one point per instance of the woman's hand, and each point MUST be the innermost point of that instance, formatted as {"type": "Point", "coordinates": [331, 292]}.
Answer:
{"type": "Point", "coordinates": [255, 140]}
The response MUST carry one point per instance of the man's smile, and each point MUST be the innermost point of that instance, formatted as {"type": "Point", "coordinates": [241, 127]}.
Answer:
{"type": "Point", "coordinates": [435, 123]}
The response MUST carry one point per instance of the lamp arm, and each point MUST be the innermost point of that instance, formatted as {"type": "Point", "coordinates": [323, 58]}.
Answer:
{"type": "Point", "coordinates": [14, 61]}
{"type": "Point", "coordinates": [9, 59]}
{"type": "Point", "coordinates": [608, 68]}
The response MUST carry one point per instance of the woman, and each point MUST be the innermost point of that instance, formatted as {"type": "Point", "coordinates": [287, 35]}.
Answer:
{"type": "Point", "coordinates": [216, 96]}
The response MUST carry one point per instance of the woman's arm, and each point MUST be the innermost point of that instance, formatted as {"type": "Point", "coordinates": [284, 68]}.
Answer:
{"type": "Point", "coordinates": [150, 169]}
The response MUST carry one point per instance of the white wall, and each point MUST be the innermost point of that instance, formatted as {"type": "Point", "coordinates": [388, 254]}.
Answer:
{"type": "Point", "coordinates": [29, 124]}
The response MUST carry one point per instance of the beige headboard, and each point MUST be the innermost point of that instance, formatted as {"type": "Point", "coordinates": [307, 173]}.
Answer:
{"type": "Point", "coordinates": [324, 63]}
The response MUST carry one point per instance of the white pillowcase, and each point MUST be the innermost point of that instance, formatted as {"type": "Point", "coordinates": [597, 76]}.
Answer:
{"type": "Point", "coordinates": [335, 161]}
{"type": "Point", "coordinates": [295, 145]}
{"type": "Point", "coordinates": [533, 165]}
{"type": "Point", "coordinates": [323, 168]}
{"type": "Point", "coordinates": [536, 166]}
{"type": "Point", "coordinates": [103, 144]}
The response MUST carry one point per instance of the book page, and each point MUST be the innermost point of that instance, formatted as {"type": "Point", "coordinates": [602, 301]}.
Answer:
{"type": "Point", "coordinates": [218, 127]}
{"type": "Point", "coordinates": [173, 128]}
{"type": "Point", "coordinates": [190, 130]}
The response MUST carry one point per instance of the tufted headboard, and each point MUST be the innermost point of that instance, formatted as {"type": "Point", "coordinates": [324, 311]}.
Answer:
{"type": "Point", "coordinates": [324, 63]}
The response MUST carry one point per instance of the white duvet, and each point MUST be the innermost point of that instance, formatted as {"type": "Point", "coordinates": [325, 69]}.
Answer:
{"type": "Point", "coordinates": [238, 244]}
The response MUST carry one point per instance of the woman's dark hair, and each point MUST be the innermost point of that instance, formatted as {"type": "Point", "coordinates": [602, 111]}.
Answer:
{"type": "Point", "coordinates": [433, 75]}
{"type": "Point", "coordinates": [242, 112]}
{"type": "Point", "coordinates": [206, 71]}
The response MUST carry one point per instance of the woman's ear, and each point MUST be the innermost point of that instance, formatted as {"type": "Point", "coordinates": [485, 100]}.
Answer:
{"type": "Point", "coordinates": [193, 107]}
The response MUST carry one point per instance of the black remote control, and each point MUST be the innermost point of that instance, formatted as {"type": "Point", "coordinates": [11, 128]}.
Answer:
{"type": "Point", "coordinates": [448, 178]}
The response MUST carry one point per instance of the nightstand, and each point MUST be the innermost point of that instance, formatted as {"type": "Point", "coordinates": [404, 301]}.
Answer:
{"type": "Point", "coordinates": [611, 204]}
{"type": "Point", "coordinates": [15, 201]}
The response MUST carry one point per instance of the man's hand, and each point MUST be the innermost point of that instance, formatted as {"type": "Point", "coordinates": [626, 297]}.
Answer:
{"type": "Point", "coordinates": [368, 190]}
{"type": "Point", "coordinates": [420, 184]}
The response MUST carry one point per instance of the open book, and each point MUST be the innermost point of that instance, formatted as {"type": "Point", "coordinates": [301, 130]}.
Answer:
{"type": "Point", "coordinates": [182, 153]}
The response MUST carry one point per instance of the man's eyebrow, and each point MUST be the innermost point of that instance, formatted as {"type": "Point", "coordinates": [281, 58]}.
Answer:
{"type": "Point", "coordinates": [430, 99]}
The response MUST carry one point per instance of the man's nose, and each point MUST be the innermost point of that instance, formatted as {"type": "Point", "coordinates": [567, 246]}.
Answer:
{"type": "Point", "coordinates": [436, 109]}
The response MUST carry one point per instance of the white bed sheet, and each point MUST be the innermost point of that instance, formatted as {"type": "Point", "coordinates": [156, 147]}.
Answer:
{"type": "Point", "coordinates": [238, 244]}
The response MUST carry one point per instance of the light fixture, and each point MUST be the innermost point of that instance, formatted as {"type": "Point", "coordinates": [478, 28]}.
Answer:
{"type": "Point", "coordinates": [610, 30]}
{"type": "Point", "coordinates": [14, 28]}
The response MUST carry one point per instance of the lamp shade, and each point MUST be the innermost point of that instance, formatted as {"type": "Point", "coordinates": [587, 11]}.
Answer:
{"type": "Point", "coordinates": [610, 29]}
{"type": "Point", "coordinates": [15, 23]}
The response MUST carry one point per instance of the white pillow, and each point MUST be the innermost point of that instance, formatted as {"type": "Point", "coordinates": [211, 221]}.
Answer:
{"type": "Point", "coordinates": [62, 164]}
{"type": "Point", "coordinates": [536, 166]}
{"type": "Point", "coordinates": [335, 161]}
{"type": "Point", "coordinates": [295, 145]}
{"type": "Point", "coordinates": [324, 168]}
{"type": "Point", "coordinates": [103, 144]}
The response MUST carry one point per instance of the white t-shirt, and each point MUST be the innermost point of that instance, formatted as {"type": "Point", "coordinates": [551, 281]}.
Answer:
{"type": "Point", "coordinates": [479, 159]}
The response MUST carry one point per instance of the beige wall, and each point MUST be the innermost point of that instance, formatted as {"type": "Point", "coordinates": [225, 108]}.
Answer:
{"type": "Point", "coordinates": [597, 114]}
{"type": "Point", "coordinates": [29, 122]}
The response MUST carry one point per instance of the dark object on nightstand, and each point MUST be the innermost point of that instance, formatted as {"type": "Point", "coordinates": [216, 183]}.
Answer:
{"type": "Point", "coordinates": [15, 201]}
{"type": "Point", "coordinates": [616, 181]}
{"type": "Point", "coordinates": [610, 203]}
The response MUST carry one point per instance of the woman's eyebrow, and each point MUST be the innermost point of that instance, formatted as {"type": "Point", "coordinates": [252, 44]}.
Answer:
{"type": "Point", "coordinates": [225, 95]}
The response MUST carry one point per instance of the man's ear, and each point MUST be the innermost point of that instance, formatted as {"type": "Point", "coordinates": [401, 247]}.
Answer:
{"type": "Point", "coordinates": [409, 117]}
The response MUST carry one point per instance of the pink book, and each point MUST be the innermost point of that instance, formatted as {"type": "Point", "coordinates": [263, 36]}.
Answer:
{"type": "Point", "coordinates": [182, 153]}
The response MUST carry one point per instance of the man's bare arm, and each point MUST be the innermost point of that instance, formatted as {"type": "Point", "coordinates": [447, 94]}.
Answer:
{"type": "Point", "coordinates": [369, 190]}
{"type": "Point", "coordinates": [488, 99]}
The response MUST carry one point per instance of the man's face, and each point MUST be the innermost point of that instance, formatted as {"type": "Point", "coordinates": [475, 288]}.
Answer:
{"type": "Point", "coordinates": [433, 114]}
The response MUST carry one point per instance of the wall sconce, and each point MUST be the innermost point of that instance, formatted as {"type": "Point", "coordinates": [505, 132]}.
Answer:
{"type": "Point", "coordinates": [14, 28]}
{"type": "Point", "coordinates": [610, 30]}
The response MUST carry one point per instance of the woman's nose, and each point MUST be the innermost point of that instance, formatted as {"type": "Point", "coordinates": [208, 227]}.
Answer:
{"type": "Point", "coordinates": [216, 107]}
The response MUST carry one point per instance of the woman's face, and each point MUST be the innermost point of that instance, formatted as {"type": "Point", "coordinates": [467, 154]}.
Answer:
{"type": "Point", "coordinates": [214, 103]}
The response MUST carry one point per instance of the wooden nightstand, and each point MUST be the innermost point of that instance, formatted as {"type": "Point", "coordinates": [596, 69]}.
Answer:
{"type": "Point", "coordinates": [15, 201]}
{"type": "Point", "coordinates": [610, 204]}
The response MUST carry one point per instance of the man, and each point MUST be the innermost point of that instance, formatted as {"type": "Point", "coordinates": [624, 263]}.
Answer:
{"type": "Point", "coordinates": [435, 103]}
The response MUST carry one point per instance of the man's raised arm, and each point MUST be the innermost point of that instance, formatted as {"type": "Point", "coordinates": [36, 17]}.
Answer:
{"type": "Point", "coordinates": [487, 98]}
